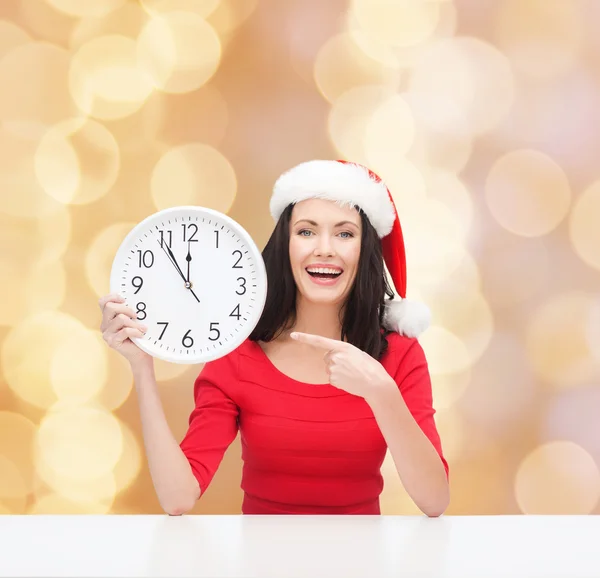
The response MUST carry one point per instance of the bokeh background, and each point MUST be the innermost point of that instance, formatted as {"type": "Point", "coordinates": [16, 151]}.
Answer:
{"type": "Point", "coordinates": [483, 117]}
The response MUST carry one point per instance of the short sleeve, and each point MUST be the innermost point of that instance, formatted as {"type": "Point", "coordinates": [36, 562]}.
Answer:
{"type": "Point", "coordinates": [414, 381]}
{"type": "Point", "coordinates": [213, 423]}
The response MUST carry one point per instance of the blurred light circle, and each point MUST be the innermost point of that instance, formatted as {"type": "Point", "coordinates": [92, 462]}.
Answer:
{"type": "Point", "coordinates": [230, 15]}
{"type": "Point", "coordinates": [558, 478]}
{"type": "Point", "coordinates": [434, 239]}
{"type": "Point", "coordinates": [448, 388]}
{"type": "Point", "coordinates": [54, 504]}
{"type": "Point", "coordinates": [77, 8]}
{"type": "Point", "coordinates": [117, 389]}
{"type": "Point", "coordinates": [340, 65]}
{"type": "Point", "coordinates": [557, 340]}
{"type": "Point", "coordinates": [100, 256]}
{"type": "Point", "coordinates": [527, 193]}
{"type": "Point", "coordinates": [390, 131]}
{"type": "Point", "coordinates": [593, 329]}
{"type": "Point", "coordinates": [79, 442]}
{"type": "Point", "coordinates": [397, 22]}
{"type": "Point", "coordinates": [451, 428]}
{"type": "Point", "coordinates": [165, 371]}
{"type": "Point", "coordinates": [394, 499]}
{"type": "Point", "coordinates": [194, 174]}
{"type": "Point", "coordinates": [506, 257]}
{"type": "Point", "coordinates": [202, 8]}
{"type": "Point", "coordinates": [77, 161]}
{"type": "Point", "coordinates": [403, 179]}
{"type": "Point", "coordinates": [502, 388]}
{"type": "Point", "coordinates": [17, 175]}
{"type": "Point", "coordinates": [27, 354]}
{"type": "Point", "coordinates": [349, 119]}
{"type": "Point", "coordinates": [36, 73]}
{"type": "Point", "coordinates": [180, 51]}
{"type": "Point", "coordinates": [29, 289]}
{"type": "Point", "coordinates": [467, 315]}
{"type": "Point", "coordinates": [11, 36]}
{"type": "Point", "coordinates": [475, 79]}
{"type": "Point", "coordinates": [447, 188]}
{"type": "Point", "coordinates": [542, 39]}
{"type": "Point", "coordinates": [127, 20]}
{"type": "Point", "coordinates": [446, 353]}
{"type": "Point", "coordinates": [78, 369]}
{"type": "Point", "coordinates": [17, 435]}
{"type": "Point", "coordinates": [105, 79]}
{"type": "Point", "coordinates": [583, 226]}
{"type": "Point", "coordinates": [572, 415]}
{"type": "Point", "coordinates": [129, 466]}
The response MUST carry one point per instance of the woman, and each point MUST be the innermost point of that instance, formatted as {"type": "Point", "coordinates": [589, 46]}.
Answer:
{"type": "Point", "coordinates": [331, 376]}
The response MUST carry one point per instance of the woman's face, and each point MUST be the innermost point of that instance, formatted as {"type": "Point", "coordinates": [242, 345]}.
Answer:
{"type": "Point", "coordinates": [325, 243]}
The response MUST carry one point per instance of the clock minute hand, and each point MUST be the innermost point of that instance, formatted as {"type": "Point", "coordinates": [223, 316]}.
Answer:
{"type": "Point", "coordinates": [169, 254]}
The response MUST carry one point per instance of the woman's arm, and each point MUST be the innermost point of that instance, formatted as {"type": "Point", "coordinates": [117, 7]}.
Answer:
{"type": "Point", "coordinates": [175, 484]}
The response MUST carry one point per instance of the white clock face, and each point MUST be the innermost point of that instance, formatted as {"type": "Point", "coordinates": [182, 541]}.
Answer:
{"type": "Point", "coordinates": [195, 278]}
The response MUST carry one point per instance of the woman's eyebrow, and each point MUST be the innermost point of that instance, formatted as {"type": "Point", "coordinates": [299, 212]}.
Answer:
{"type": "Point", "coordinates": [315, 224]}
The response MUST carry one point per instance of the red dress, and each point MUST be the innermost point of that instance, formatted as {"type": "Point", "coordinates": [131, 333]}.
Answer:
{"type": "Point", "coordinates": [306, 449]}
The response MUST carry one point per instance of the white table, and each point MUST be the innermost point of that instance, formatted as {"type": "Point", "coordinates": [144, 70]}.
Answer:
{"type": "Point", "coordinates": [301, 546]}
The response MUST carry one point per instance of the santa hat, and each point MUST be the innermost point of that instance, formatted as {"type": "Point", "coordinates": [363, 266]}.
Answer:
{"type": "Point", "coordinates": [355, 185]}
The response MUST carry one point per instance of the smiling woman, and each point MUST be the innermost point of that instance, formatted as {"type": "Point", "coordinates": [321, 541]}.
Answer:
{"type": "Point", "coordinates": [330, 379]}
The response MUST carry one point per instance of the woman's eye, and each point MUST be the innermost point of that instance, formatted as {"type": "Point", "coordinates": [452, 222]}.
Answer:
{"type": "Point", "coordinates": [305, 233]}
{"type": "Point", "coordinates": [346, 235]}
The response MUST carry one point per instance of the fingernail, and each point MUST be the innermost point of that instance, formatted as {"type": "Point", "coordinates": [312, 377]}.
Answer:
{"type": "Point", "coordinates": [293, 335]}
{"type": "Point", "coordinates": [144, 328]}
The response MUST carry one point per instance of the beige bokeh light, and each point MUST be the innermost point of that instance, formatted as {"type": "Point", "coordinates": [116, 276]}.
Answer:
{"type": "Point", "coordinates": [77, 161]}
{"type": "Point", "coordinates": [127, 20]}
{"type": "Point", "coordinates": [583, 225]}
{"type": "Point", "coordinates": [36, 73]}
{"type": "Point", "coordinates": [57, 504]}
{"type": "Point", "coordinates": [475, 78]}
{"type": "Point", "coordinates": [527, 193]}
{"type": "Point", "coordinates": [340, 66]}
{"type": "Point", "coordinates": [78, 9]}
{"type": "Point", "coordinates": [127, 469]}
{"type": "Point", "coordinates": [349, 119]}
{"type": "Point", "coordinates": [194, 174]}
{"type": "Point", "coordinates": [11, 36]}
{"type": "Point", "coordinates": [557, 340]}
{"type": "Point", "coordinates": [447, 187]}
{"type": "Point", "coordinates": [446, 353]}
{"type": "Point", "coordinates": [541, 38]}
{"type": "Point", "coordinates": [180, 51]}
{"type": "Point", "coordinates": [404, 181]}
{"type": "Point", "coordinates": [28, 351]}
{"type": "Point", "coordinates": [390, 132]}
{"type": "Point", "coordinates": [79, 366]}
{"type": "Point", "coordinates": [558, 478]}
{"type": "Point", "coordinates": [79, 442]}
{"type": "Point", "coordinates": [105, 79]}
{"type": "Point", "coordinates": [100, 256]}
{"type": "Point", "coordinates": [448, 388]}
{"type": "Point", "coordinates": [230, 15]}
{"type": "Point", "coordinates": [17, 435]}
{"type": "Point", "coordinates": [202, 8]}
{"type": "Point", "coordinates": [397, 22]}
{"type": "Point", "coordinates": [118, 388]}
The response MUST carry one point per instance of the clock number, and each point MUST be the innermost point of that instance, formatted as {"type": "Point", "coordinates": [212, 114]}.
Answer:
{"type": "Point", "coordinates": [166, 324]}
{"type": "Point", "coordinates": [185, 232]}
{"type": "Point", "coordinates": [187, 341]}
{"type": "Point", "coordinates": [237, 265]}
{"type": "Point", "coordinates": [236, 312]}
{"type": "Point", "coordinates": [141, 308]}
{"type": "Point", "coordinates": [140, 282]}
{"type": "Point", "coordinates": [162, 240]}
{"type": "Point", "coordinates": [243, 286]}
{"type": "Point", "coordinates": [216, 239]}
{"type": "Point", "coordinates": [146, 258]}
{"type": "Point", "coordinates": [216, 330]}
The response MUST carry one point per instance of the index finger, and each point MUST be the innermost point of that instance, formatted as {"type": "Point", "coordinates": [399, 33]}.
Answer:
{"type": "Point", "coordinates": [112, 297]}
{"type": "Point", "coordinates": [317, 340]}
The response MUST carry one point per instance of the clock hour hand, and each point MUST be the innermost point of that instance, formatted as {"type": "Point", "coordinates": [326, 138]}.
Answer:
{"type": "Point", "coordinates": [188, 259]}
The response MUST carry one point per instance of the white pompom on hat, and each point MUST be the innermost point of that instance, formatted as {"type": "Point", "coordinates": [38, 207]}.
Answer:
{"type": "Point", "coordinates": [357, 186]}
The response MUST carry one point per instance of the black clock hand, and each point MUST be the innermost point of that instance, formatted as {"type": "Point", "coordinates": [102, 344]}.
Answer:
{"type": "Point", "coordinates": [169, 254]}
{"type": "Point", "coordinates": [188, 259]}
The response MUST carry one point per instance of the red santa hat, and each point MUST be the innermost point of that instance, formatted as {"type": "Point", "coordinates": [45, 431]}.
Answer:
{"type": "Point", "coordinates": [354, 185]}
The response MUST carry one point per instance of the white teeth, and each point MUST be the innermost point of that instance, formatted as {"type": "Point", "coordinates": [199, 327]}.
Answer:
{"type": "Point", "coordinates": [323, 270]}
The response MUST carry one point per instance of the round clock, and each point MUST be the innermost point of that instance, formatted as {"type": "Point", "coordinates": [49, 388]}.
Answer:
{"type": "Point", "coordinates": [195, 278]}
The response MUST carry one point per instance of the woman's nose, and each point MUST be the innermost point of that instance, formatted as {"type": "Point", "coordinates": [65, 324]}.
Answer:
{"type": "Point", "coordinates": [324, 246]}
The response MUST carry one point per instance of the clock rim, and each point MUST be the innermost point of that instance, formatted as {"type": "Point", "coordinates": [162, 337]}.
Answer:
{"type": "Point", "coordinates": [262, 281]}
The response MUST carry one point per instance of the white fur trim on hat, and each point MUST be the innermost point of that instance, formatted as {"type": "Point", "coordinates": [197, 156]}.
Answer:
{"type": "Point", "coordinates": [332, 180]}
{"type": "Point", "coordinates": [408, 318]}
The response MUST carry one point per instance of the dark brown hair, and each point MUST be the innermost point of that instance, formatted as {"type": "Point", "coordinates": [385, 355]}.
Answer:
{"type": "Point", "coordinates": [363, 310]}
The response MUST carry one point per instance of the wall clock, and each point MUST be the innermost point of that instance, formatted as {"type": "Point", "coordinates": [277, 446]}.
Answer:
{"type": "Point", "coordinates": [195, 278]}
